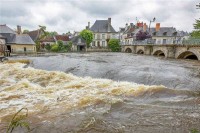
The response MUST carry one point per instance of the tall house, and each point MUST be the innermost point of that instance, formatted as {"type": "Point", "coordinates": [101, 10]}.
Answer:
{"type": "Point", "coordinates": [103, 32]}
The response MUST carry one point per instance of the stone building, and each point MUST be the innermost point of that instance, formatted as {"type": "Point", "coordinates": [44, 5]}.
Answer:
{"type": "Point", "coordinates": [103, 32]}
{"type": "Point", "coordinates": [2, 45]}
{"type": "Point", "coordinates": [79, 44]}
{"type": "Point", "coordinates": [16, 42]}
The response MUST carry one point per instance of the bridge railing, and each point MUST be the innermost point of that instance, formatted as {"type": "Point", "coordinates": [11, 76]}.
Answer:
{"type": "Point", "coordinates": [191, 42]}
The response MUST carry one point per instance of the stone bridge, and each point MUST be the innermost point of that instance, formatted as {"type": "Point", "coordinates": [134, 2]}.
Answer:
{"type": "Point", "coordinates": [168, 51]}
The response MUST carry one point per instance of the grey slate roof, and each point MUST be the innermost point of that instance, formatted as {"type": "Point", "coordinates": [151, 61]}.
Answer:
{"type": "Point", "coordinates": [75, 40]}
{"type": "Point", "coordinates": [102, 26]}
{"type": "Point", "coordinates": [13, 38]}
{"type": "Point", "coordinates": [34, 34]}
{"type": "Point", "coordinates": [6, 29]}
{"type": "Point", "coordinates": [168, 30]}
{"type": "Point", "coordinates": [24, 39]}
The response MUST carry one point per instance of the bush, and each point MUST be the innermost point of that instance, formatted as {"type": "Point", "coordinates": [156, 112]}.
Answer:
{"type": "Point", "coordinates": [55, 48]}
{"type": "Point", "coordinates": [114, 45]}
{"type": "Point", "coordinates": [48, 47]}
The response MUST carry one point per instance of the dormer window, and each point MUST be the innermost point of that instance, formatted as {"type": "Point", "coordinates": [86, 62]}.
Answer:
{"type": "Point", "coordinates": [165, 33]}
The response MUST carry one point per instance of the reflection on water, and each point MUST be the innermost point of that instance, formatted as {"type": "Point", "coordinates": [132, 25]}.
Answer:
{"type": "Point", "coordinates": [60, 102]}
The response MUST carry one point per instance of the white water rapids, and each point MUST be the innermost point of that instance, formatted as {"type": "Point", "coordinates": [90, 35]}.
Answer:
{"type": "Point", "coordinates": [50, 92]}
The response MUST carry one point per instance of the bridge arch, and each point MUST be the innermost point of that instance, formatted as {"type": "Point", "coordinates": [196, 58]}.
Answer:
{"type": "Point", "coordinates": [188, 55]}
{"type": "Point", "coordinates": [140, 51]}
{"type": "Point", "coordinates": [128, 50]}
{"type": "Point", "coordinates": [159, 53]}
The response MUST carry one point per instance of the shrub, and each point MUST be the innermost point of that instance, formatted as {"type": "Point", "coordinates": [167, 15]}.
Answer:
{"type": "Point", "coordinates": [114, 45]}
{"type": "Point", "coordinates": [48, 47]}
{"type": "Point", "coordinates": [55, 48]}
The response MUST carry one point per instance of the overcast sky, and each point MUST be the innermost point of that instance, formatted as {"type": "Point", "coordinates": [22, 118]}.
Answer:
{"type": "Point", "coordinates": [73, 15]}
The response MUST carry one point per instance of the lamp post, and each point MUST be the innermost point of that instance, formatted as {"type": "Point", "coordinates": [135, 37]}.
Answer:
{"type": "Point", "coordinates": [198, 6]}
{"type": "Point", "coordinates": [150, 23]}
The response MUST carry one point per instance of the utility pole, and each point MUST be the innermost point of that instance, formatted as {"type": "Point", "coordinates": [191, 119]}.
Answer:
{"type": "Point", "coordinates": [150, 23]}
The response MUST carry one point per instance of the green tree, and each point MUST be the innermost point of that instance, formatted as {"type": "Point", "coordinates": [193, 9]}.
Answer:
{"type": "Point", "coordinates": [25, 31]}
{"type": "Point", "coordinates": [196, 32]}
{"type": "Point", "coordinates": [87, 35]}
{"type": "Point", "coordinates": [52, 33]}
{"type": "Point", "coordinates": [42, 36]}
{"type": "Point", "coordinates": [114, 45]}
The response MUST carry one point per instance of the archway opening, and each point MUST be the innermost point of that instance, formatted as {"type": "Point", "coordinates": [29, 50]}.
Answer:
{"type": "Point", "coordinates": [159, 53]}
{"type": "Point", "coordinates": [128, 50]}
{"type": "Point", "coordinates": [188, 55]}
{"type": "Point", "coordinates": [140, 52]}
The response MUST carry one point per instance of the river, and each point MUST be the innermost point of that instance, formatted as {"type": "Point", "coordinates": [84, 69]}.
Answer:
{"type": "Point", "coordinates": [103, 92]}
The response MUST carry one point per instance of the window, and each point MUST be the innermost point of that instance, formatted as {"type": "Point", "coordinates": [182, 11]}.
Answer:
{"type": "Point", "coordinates": [103, 44]}
{"type": "Point", "coordinates": [165, 33]}
{"type": "Point", "coordinates": [154, 41]}
{"type": "Point", "coordinates": [98, 36]}
{"type": "Point", "coordinates": [113, 35]}
{"type": "Point", "coordinates": [103, 36]}
{"type": "Point", "coordinates": [93, 44]}
{"type": "Point", "coordinates": [94, 36]}
{"type": "Point", "coordinates": [79, 40]}
{"type": "Point", "coordinates": [164, 41]}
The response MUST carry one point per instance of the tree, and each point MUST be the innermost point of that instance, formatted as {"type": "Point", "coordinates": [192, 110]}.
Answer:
{"type": "Point", "coordinates": [52, 33]}
{"type": "Point", "coordinates": [25, 31]}
{"type": "Point", "coordinates": [114, 45]}
{"type": "Point", "coordinates": [87, 35]}
{"type": "Point", "coordinates": [196, 32]}
{"type": "Point", "coordinates": [43, 35]}
{"type": "Point", "coordinates": [142, 35]}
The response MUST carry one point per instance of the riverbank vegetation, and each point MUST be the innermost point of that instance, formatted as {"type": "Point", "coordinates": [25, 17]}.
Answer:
{"type": "Point", "coordinates": [87, 35]}
{"type": "Point", "coordinates": [59, 47]}
{"type": "Point", "coordinates": [114, 45]}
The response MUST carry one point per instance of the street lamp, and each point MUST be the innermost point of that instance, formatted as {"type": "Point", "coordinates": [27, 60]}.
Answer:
{"type": "Point", "coordinates": [150, 23]}
{"type": "Point", "coordinates": [198, 6]}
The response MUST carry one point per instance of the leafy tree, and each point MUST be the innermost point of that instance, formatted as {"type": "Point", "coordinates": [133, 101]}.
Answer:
{"type": "Point", "coordinates": [87, 35]}
{"type": "Point", "coordinates": [196, 32]}
{"type": "Point", "coordinates": [142, 35]}
{"type": "Point", "coordinates": [25, 31]}
{"type": "Point", "coordinates": [42, 36]}
{"type": "Point", "coordinates": [114, 45]}
{"type": "Point", "coordinates": [52, 33]}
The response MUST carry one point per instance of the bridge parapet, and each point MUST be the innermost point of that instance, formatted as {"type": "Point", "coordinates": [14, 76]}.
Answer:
{"type": "Point", "coordinates": [168, 50]}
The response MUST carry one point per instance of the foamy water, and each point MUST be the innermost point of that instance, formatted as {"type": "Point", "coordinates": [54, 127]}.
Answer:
{"type": "Point", "coordinates": [51, 94]}
{"type": "Point", "coordinates": [37, 89]}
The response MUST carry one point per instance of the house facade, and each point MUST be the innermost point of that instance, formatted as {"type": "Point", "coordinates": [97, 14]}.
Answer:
{"type": "Point", "coordinates": [159, 35]}
{"type": "Point", "coordinates": [16, 42]}
{"type": "Point", "coordinates": [2, 45]}
{"type": "Point", "coordinates": [103, 32]}
{"type": "Point", "coordinates": [79, 44]}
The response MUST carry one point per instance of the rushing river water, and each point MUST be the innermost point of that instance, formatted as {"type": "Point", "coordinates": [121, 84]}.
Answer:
{"type": "Point", "coordinates": [112, 99]}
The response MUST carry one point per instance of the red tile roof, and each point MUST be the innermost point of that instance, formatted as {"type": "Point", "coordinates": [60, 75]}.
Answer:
{"type": "Point", "coordinates": [62, 37]}
{"type": "Point", "coordinates": [48, 39]}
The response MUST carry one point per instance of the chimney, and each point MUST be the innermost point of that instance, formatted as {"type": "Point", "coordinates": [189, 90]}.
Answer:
{"type": "Point", "coordinates": [157, 27]}
{"type": "Point", "coordinates": [88, 25]}
{"type": "Point", "coordinates": [19, 30]}
{"type": "Point", "coordinates": [109, 20]}
{"type": "Point", "coordinates": [145, 27]}
{"type": "Point", "coordinates": [131, 24]}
